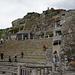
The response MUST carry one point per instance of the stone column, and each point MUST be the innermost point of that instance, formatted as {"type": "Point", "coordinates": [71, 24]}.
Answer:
{"type": "Point", "coordinates": [43, 71]}
{"type": "Point", "coordinates": [34, 71]}
{"type": "Point", "coordinates": [18, 70]}
{"type": "Point", "coordinates": [48, 36]}
{"type": "Point", "coordinates": [22, 36]}
{"type": "Point", "coordinates": [53, 67]}
{"type": "Point", "coordinates": [47, 71]}
{"type": "Point", "coordinates": [29, 36]}
{"type": "Point", "coordinates": [55, 25]}
{"type": "Point", "coordinates": [54, 33]}
{"type": "Point", "coordinates": [40, 71]}
{"type": "Point", "coordinates": [44, 34]}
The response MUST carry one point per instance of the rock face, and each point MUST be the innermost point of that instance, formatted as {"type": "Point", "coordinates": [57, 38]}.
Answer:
{"type": "Point", "coordinates": [38, 22]}
{"type": "Point", "coordinates": [68, 38]}
{"type": "Point", "coordinates": [17, 22]}
{"type": "Point", "coordinates": [44, 22]}
{"type": "Point", "coordinates": [29, 19]}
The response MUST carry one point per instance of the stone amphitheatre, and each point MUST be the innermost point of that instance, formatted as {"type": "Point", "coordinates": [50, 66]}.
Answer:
{"type": "Point", "coordinates": [53, 29]}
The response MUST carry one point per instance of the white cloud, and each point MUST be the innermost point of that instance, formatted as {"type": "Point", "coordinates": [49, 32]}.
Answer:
{"type": "Point", "coordinates": [14, 9]}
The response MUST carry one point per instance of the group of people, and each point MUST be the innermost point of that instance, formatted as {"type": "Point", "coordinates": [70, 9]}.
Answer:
{"type": "Point", "coordinates": [9, 58]}
{"type": "Point", "coordinates": [21, 56]}
{"type": "Point", "coordinates": [16, 57]}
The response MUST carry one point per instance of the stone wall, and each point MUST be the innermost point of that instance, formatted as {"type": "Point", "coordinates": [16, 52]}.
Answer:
{"type": "Point", "coordinates": [68, 31]}
{"type": "Point", "coordinates": [67, 51]}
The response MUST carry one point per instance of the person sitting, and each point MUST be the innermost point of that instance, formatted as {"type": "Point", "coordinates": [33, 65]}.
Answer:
{"type": "Point", "coordinates": [21, 55]}
{"type": "Point", "coordinates": [44, 47]}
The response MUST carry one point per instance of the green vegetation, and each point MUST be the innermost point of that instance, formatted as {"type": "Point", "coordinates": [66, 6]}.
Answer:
{"type": "Point", "coordinates": [57, 20]}
{"type": "Point", "coordinates": [52, 9]}
{"type": "Point", "coordinates": [63, 14]}
{"type": "Point", "coordinates": [15, 29]}
{"type": "Point", "coordinates": [50, 33]}
{"type": "Point", "coordinates": [57, 11]}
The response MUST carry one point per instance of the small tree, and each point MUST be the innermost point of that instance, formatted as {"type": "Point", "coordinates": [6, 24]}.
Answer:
{"type": "Point", "coordinates": [52, 9]}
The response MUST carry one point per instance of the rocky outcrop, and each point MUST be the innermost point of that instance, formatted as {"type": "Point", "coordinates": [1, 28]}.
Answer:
{"type": "Point", "coordinates": [68, 31]}
{"type": "Point", "coordinates": [18, 22]}
{"type": "Point", "coordinates": [67, 51]}
{"type": "Point", "coordinates": [28, 20]}
{"type": "Point", "coordinates": [38, 22]}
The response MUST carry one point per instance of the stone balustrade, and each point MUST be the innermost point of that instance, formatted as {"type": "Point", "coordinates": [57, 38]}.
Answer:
{"type": "Point", "coordinates": [34, 70]}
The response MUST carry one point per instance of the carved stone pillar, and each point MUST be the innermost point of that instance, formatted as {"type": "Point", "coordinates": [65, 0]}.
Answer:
{"type": "Point", "coordinates": [29, 36]}
{"type": "Point", "coordinates": [44, 34]}
{"type": "Point", "coordinates": [19, 69]}
{"type": "Point", "coordinates": [22, 36]}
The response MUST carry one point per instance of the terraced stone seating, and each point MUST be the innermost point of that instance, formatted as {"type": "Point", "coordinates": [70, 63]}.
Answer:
{"type": "Point", "coordinates": [32, 49]}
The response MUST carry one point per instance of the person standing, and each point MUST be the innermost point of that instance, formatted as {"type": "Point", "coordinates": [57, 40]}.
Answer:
{"type": "Point", "coordinates": [54, 60]}
{"type": "Point", "coordinates": [1, 40]}
{"type": "Point", "coordinates": [9, 58]}
{"type": "Point", "coordinates": [2, 55]}
{"type": "Point", "coordinates": [15, 58]}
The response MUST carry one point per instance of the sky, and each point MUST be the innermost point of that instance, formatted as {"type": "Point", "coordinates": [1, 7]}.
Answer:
{"type": "Point", "coordinates": [11, 10]}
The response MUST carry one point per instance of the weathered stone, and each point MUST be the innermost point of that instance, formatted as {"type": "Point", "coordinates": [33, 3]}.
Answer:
{"type": "Point", "coordinates": [68, 41]}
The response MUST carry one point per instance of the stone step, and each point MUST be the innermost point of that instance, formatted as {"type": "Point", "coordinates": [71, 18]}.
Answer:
{"type": "Point", "coordinates": [28, 50]}
{"type": "Point", "coordinates": [69, 73]}
{"type": "Point", "coordinates": [32, 49]}
{"type": "Point", "coordinates": [27, 58]}
{"type": "Point", "coordinates": [26, 53]}
{"type": "Point", "coordinates": [32, 55]}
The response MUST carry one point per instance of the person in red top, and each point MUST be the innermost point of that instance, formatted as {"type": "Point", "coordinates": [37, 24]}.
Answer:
{"type": "Point", "coordinates": [16, 37]}
{"type": "Point", "coordinates": [44, 47]}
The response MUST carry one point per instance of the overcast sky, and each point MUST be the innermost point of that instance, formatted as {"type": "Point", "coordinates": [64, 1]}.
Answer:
{"type": "Point", "coordinates": [14, 9]}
